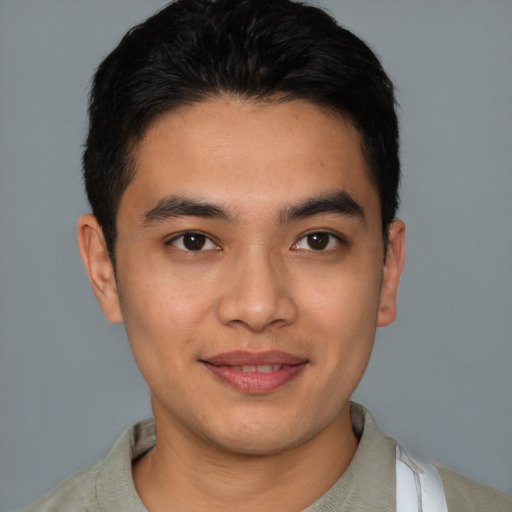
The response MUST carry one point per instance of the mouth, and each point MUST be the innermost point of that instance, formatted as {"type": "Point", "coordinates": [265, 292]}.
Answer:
{"type": "Point", "coordinates": [255, 373]}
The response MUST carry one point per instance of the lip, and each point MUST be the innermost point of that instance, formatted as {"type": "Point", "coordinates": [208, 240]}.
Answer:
{"type": "Point", "coordinates": [226, 366]}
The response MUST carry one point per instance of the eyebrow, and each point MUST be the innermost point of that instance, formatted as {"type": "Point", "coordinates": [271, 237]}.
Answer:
{"type": "Point", "coordinates": [172, 207]}
{"type": "Point", "coordinates": [339, 203]}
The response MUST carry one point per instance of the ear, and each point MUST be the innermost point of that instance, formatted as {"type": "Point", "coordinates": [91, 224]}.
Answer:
{"type": "Point", "coordinates": [99, 268]}
{"type": "Point", "coordinates": [393, 265]}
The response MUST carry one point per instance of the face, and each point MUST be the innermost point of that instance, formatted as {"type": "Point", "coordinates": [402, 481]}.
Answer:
{"type": "Point", "coordinates": [250, 271]}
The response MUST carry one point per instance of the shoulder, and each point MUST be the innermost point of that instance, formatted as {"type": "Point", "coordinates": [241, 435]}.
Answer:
{"type": "Point", "coordinates": [464, 494]}
{"type": "Point", "coordinates": [106, 484]}
{"type": "Point", "coordinates": [76, 493]}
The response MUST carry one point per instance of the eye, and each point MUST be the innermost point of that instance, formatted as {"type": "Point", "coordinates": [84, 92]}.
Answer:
{"type": "Point", "coordinates": [318, 241]}
{"type": "Point", "coordinates": [192, 242]}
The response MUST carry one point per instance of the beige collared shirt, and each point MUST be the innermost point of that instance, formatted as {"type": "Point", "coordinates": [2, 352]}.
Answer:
{"type": "Point", "coordinates": [368, 484]}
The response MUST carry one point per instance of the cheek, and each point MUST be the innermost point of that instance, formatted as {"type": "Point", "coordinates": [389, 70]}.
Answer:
{"type": "Point", "coordinates": [345, 346]}
{"type": "Point", "coordinates": [342, 311]}
{"type": "Point", "coordinates": [163, 313]}
{"type": "Point", "coordinates": [344, 298]}
{"type": "Point", "coordinates": [162, 324]}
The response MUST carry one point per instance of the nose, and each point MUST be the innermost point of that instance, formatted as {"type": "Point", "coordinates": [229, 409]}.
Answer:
{"type": "Point", "coordinates": [257, 294]}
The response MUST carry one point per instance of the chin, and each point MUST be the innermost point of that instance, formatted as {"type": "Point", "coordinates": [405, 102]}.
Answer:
{"type": "Point", "coordinates": [256, 446]}
{"type": "Point", "coordinates": [260, 437]}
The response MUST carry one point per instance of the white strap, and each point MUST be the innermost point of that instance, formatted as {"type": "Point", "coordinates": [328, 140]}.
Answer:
{"type": "Point", "coordinates": [418, 485]}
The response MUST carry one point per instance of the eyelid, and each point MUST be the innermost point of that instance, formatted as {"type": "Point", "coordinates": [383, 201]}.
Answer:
{"type": "Point", "coordinates": [177, 236]}
{"type": "Point", "coordinates": [337, 237]}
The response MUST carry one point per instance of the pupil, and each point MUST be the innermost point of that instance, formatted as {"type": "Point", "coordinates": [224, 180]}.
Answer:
{"type": "Point", "coordinates": [194, 242]}
{"type": "Point", "coordinates": [318, 241]}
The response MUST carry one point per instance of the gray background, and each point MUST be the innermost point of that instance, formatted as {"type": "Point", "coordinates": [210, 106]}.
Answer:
{"type": "Point", "coordinates": [439, 379]}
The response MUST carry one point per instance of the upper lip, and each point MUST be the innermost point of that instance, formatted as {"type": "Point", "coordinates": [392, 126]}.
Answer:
{"type": "Point", "coordinates": [241, 358]}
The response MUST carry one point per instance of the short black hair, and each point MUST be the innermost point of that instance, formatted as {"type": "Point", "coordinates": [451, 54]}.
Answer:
{"type": "Point", "coordinates": [193, 50]}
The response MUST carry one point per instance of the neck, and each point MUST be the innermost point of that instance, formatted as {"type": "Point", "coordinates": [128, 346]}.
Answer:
{"type": "Point", "coordinates": [187, 473]}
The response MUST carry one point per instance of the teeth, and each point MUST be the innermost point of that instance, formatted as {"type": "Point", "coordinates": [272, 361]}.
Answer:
{"type": "Point", "coordinates": [260, 368]}
{"type": "Point", "coordinates": [267, 368]}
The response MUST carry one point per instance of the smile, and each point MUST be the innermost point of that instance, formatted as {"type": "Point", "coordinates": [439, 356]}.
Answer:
{"type": "Point", "coordinates": [260, 368]}
{"type": "Point", "coordinates": [255, 373]}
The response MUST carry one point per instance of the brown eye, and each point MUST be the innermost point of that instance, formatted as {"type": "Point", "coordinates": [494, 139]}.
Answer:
{"type": "Point", "coordinates": [318, 241]}
{"type": "Point", "coordinates": [193, 242]}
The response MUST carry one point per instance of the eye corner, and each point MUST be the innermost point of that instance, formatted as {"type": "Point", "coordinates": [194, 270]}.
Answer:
{"type": "Point", "coordinates": [318, 241]}
{"type": "Point", "coordinates": [192, 242]}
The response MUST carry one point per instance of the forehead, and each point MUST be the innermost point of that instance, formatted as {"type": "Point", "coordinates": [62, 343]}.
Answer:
{"type": "Point", "coordinates": [247, 154]}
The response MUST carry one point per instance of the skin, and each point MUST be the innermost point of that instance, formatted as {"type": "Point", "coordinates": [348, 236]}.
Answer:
{"type": "Point", "coordinates": [257, 284]}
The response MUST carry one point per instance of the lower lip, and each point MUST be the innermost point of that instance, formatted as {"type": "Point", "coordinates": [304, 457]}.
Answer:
{"type": "Point", "coordinates": [256, 382]}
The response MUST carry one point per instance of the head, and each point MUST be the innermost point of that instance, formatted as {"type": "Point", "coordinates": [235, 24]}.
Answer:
{"type": "Point", "coordinates": [264, 50]}
{"type": "Point", "coordinates": [242, 166]}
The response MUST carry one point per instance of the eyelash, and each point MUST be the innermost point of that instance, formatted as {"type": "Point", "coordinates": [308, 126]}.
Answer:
{"type": "Point", "coordinates": [332, 239]}
{"type": "Point", "coordinates": [178, 242]}
{"type": "Point", "coordinates": [175, 242]}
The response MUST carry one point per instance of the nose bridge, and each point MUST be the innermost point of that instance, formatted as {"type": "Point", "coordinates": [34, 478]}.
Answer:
{"type": "Point", "coordinates": [256, 294]}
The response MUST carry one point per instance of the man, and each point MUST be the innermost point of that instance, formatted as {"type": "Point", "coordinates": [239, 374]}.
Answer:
{"type": "Point", "coordinates": [242, 167]}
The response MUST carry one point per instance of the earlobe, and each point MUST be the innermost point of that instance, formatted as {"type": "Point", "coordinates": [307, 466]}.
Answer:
{"type": "Point", "coordinates": [395, 255]}
{"type": "Point", "coordinates": [96, 260]}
